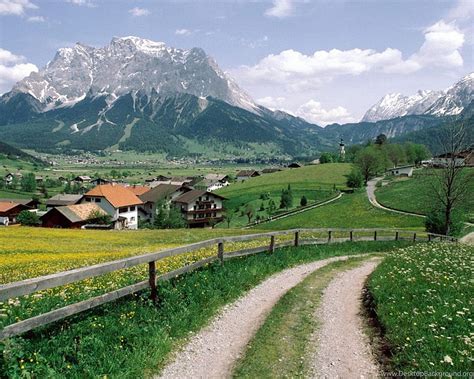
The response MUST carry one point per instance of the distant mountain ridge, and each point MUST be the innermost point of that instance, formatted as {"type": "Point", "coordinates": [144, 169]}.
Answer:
{"type": "Point", "coordinates": [137, 94]}
{"type": "Point", "coordinates": [452, 101]}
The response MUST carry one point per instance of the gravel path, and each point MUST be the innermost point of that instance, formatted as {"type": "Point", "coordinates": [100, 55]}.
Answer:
{"type": "Point", "coordinates": [341, 348]}
{"type": "Point", "coordinates": [213, 351]}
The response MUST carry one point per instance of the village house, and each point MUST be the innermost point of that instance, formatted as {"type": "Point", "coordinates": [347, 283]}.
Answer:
{"type": "Point", "coordinates": [401, 171]}
{"type": "Point", "coordinates": [8, 178]}
{"type": "Point", "coordinates": [211, 185]}
{"type": "Point", "coordinates": [137, 190]}
{"type": "Point", "coordinates": [463, 158]}
{"type": "Point", "coordinates": [218, 177]}
{"type": "Point", "coordinates": [63, 199]}
{"type": "Point", "coordinates": [270, 170]}
{"type": "Point", "coordinates": [163, 193]}
{"type": "Point", "coordinates": [200, 208]}
{"type": "Point", "coordinates": [118, 201]}
{"type": "Point", "coordinates": [9, 211]}
{"type": "Point", "coordinates": [82, 179]}
{"type": "Point", "coordinates": [99, 181]}
{"type": "Point", "coordinates": [30, 203]}
{"type": "Point", "coordinates": [71, 216]}
{"type": "Point", "coordinates": [246, 174]}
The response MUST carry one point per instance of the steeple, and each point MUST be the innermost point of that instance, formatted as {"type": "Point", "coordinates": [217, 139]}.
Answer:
{"type": "Point", "coordinates": [342, 151]}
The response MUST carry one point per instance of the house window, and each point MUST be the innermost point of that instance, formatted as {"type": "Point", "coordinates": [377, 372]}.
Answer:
{"type": "Point", "coordinates": [214, 214]}
{"type": "Point", "coordinates": [97, 200]}
{"type": "Point", "coordinates": [88, 200]}
{"type": "Point", "coordinates": [132, 208]}
{"type": "Point", "coordinates": [200, 198]}
{"type": "Point", "coordinates": [123, 210]}
{"type": "Point", "coordinates": [214, 206]}
{"type": "Point", "coordinates": [207, 198]}
{"type": "Point", "coordinates": [195, 207]}
{"type": "Point", "coordinates": [194, 215]}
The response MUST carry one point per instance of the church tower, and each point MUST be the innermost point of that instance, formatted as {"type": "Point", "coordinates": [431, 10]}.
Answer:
{"type": "Point", "coordinates": [342, 151]}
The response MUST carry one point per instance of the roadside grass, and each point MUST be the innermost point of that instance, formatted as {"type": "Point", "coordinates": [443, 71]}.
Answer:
{"type": "Point", "coordinates": [423, 299]}
{"type": "Point", "coordinates": [132, 337]}
{"type": "Point", "coordinates": [282, 345]}
{"type": "Point", "coordinates": [316, 182]}
{"type": "Point", "coordinates": [415, 194]}
{"type": "Point", "coordinates": [351, 211]}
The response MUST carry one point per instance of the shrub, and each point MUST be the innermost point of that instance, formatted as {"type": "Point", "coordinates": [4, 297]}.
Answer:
{"type": "Point", "coordinates": [355, 179]}
{"type": "Point", "coordinates": [303, 201]}
{"type": "Point", "coordinates": [27, 218]}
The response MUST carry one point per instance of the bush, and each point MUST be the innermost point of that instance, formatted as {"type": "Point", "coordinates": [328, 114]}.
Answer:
{"type": "Point", "coordinates": [303, 201]}
{"type": "Point", "coordinates": [435, 223]}
{"type": "Point", "coordinates": [355, 179]}
{"type": "Point", "coordinates": [27, 218]}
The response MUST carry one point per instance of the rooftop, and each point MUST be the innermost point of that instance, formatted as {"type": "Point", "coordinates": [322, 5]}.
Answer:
{"type": "Point", "coordinates": [117, 195]}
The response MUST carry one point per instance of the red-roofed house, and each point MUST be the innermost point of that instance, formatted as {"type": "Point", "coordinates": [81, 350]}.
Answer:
{"type": "Point", "coordinates": [9, 210]}
{"type": "Point", "coordinates": [118, 201]}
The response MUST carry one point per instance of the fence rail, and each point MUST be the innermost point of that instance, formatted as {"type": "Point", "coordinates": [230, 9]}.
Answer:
{"type": "Point", "coordinates": [30, 286]}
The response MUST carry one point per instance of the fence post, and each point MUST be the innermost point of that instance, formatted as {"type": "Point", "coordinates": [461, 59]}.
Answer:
{"type": "Point", "coordinates": [297, 239]}
{"type": "Point", "coordinates": [220, 251]}
{"type": "Point", "coordinates": [396, 235]}
{"type": "Point", "coordinates": [271, 248]}
{"type": "Point", "coordinates": [351, 236]}
{"type": "Point", "coordinates": [152, 280]}
{"type": "Point", "coordinates": [375, 235]}
{"type": "Point", "coordinates": [429, 237]}
{"type": "Point", "coordinates": [414, 237]}
{"type": "Point", "coordinates": [329, 235]}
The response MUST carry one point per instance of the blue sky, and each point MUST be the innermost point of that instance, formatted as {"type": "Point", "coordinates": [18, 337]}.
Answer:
{"type": "Point", "coordinates": [324, 60]}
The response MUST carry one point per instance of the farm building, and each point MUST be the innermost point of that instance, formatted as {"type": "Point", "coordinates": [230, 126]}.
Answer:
{"type": "Point", "coordinates": [9, 211]}
{"type": "Point", "coordinates": [463, 158]}
{"type": "Point", "coordinates": [246, 174]}
{"type": "Point", "coordinates": [270, 170]}
{"type": "Point", "coordinates": [118, 201]}
{"type": "Point", "coordinates": [200, 208]}
{"type": "Point", "coordinates": [71, 216]}
{"type": "Point", "coordinates": [63, 199]}
{"type": "Point", "coordinates": [401, 171]}
{"type": "Point", "coordinates": [161, 193]}
{"type": "Point", "coordinates": [211, 185]}
{"type": "Point", "coordinates": [295, 165]}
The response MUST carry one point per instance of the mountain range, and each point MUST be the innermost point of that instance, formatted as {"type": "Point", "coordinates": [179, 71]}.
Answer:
{"type": "Point", "coordinates": [452, 101]}
{"type": "Point", "coordinates": [137, 94]}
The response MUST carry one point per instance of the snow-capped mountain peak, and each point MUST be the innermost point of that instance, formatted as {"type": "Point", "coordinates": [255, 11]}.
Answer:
{"type": "Point", "coordinates": [131, 64]}
{"type": "Point", "coordinates": [451, 101]}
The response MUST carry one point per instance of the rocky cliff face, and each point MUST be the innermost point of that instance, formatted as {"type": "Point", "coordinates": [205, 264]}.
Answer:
{"type": "Point", "coordinates": [130, 65]}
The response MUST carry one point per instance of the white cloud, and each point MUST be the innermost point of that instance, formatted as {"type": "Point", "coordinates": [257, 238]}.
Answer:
{"type": "Point", "coordinates": [36, 19]}
{"type": "Point", "coordinates": [138, 12]}
{"type": "Point", "coordinates": [15, 7]}
{"type": "Point", "coordinates": [280, 9]}
{"type": "Point", "coordinates": [82, 3]}
{"type": "Point", "coordinates": [297, 71]}
{"type": "Point", "coordinates": [183, 32]}
{"type": "Point", "coordinates": [463, 10]}
{"type": "Point", "coordinates": [12, 69]}
{"type": "Point", "coordinates": [314, 112]}
{"type": "Point", "coordinates": [441, 46]}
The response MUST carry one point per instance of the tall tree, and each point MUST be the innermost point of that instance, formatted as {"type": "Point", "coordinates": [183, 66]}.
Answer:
{"type": "Point", "coordinates": [450, 183]}
{"type": "Point", "coordinates": [369, 161]}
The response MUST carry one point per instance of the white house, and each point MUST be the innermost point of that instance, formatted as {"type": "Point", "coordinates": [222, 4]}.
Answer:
{"type": "Point", "coordinates": [463, 158]}
{"type": "Point", "coordinates": [118, 201]}
{"type": "Point", "coordinates": [401, 171]}
{"type": "Point", "coordinates": [200, 208]}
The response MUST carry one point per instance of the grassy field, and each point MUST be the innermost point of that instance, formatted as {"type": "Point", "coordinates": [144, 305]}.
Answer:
{"type": "Point", "coordinates": [282, 347]}
{"type": "Point", "coordinates": [132, 337]}
{"type": "Point", "coordinates": [415, 194]}
{"type": "Point", "coordinates": [316, 182]}
{"type": "Point", "coordinates": [423, 299]}
{"type": "Point", "coordinates": [351, 211]}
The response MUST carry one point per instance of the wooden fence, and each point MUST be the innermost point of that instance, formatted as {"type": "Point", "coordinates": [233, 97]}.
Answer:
{"type": "Point", "coordinates": [30, 286]}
